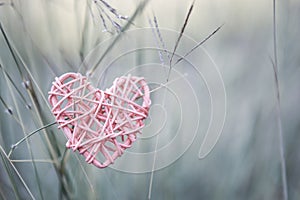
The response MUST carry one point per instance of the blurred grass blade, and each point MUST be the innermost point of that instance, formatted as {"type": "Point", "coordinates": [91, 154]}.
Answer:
{"type": "Point", "coordinates": [27, 105]}
{"type": "Point", "coordinates": [180, 35]}
{"type": "Point", "coordinates": [86, 177]}
{"type": "Point", "coordinates": [5, 161]}
{"type": "Point", "coordinates": [17, 56]}
{"type": "Point", "coordinates": [8, 109]}
{"type": "Point", "coordinates": [22, 124]}
{"type": "Point", "coordinates": [199, 44]}
{"type": "Point", "coordinates": [157, 42]}
{"type": "Point", "coordinates": [113, 10]}
{"type": "Point", "coordinates": [11, 169]}
{"type": "Point", "coordinates": [27, 136]}
{"type": "Point", "coordinates": [138, 10]}
{"type": "Point", "coordinates": [160, 37]}
{"type": "Point", "coordinates": [33, 96]}
{"type": "Point", "coordinates": [278, 108]}
{"type": "Point", "coordinates": [11, 50]}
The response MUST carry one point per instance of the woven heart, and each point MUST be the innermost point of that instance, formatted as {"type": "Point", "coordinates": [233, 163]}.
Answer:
{"type": "Point", "coordinates": [101, 125]}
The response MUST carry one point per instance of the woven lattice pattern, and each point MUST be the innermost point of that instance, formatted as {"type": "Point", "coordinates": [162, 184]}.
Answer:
{"type": "Point", "coordinates": [100, 124]}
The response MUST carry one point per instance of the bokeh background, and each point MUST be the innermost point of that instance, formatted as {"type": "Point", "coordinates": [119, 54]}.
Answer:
{"type": "Point", "coordinates": [48, 38]}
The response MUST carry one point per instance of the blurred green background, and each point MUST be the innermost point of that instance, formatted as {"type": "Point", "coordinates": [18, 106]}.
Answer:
{"type": "Point", "coordinates": [49, 38]}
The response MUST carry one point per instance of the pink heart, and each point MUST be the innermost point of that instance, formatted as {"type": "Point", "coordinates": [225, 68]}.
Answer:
{"type": "Point", "coordinates": [101, 125]}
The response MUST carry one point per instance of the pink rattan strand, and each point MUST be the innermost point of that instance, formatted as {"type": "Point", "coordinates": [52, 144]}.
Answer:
{"type": "Point", "coordinates": [100, 124]}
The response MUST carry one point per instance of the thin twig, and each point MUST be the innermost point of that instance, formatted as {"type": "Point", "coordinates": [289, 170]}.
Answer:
{"type": "Point", "coordinates": [180, 36]}
{"type": "Point", "coordinates": [27, 136]}
{"type": "Point", "coordinates": [124, 28]}
{"type": "Point", "coordinates": [199, 44]}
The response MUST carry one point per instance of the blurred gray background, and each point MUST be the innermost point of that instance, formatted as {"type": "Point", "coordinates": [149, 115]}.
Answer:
{"type": "Point", "coordinates": [53, 37]}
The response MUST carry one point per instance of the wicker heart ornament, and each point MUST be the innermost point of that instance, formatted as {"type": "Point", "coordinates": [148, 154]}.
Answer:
{"type": "Point", "coordinates": [101, 125]}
